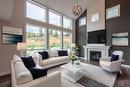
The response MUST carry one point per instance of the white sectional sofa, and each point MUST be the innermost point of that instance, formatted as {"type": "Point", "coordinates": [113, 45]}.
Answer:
{"type": "Point", "coordinates": [21, 77]}
{"type": "Point", "coordinates": [53, 60]}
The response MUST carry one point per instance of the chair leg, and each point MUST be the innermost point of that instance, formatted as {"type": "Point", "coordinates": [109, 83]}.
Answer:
{"type": "Point", "coordinates": [120, 71]}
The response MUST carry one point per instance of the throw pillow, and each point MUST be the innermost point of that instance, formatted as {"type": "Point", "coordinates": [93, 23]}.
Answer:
{"type": "Point", "coordinates": [37, 73]}
{"type": "Point", "coordinates": [44, 55]}
{"type": "Point", "coordinates": [53, 53]}
{"type": "Point", "coordinates": [62, 53]}
{"type": "Point", "coordinates": [114, 57]}
{"type": "Point", "coordinates": [28, 62]}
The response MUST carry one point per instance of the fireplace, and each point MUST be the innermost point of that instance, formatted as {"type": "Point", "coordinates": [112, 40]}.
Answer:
{"type": "Point", "coordinates": [95, 52]}
{"type": "Point", "coordinates": [95, 55]}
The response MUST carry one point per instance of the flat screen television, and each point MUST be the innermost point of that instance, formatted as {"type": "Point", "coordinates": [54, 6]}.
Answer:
{"type": "Point", "coordinates": [97, 37]}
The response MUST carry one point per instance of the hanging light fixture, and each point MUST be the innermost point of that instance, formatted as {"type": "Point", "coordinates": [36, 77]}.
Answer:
{"type": "Point", "coordinates": [77, 9]}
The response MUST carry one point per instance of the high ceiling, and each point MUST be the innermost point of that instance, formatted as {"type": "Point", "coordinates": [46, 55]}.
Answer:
{"type": "Point", "coordinates": [64, 6]}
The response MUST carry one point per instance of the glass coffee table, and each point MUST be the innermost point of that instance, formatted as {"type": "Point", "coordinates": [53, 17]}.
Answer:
{"type": "Point", "coordinates": [73, 72]}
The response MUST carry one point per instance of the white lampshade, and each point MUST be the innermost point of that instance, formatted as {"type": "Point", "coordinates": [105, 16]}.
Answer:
{"type": "Point", "coordinates": [73, 45]}
{"type": "Point", "coordinates": [21, 46]}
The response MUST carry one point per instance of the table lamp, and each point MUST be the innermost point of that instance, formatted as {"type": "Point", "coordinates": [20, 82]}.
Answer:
{"type": "Point", "coordinates": [22, 47]}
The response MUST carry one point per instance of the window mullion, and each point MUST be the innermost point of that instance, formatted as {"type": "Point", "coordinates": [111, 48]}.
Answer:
{"type": "Point", "coordinates": [47, 31]}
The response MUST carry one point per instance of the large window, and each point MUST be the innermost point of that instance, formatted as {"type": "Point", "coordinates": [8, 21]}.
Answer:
{"type": "Point", "coordinates": [41, 35]}
{"type": "Point", "coordinates": [54, 18]}
{"type": "Point", "coordinates": [67, 40]}
{"type": "Point", "coordinates": [67, 23]}
{"type": "Point", "coordinates": [36, 12]}
{"type": "Point", "coordinates": [35, 37]}
{"type": "Point", "coordinates": [54, 39]}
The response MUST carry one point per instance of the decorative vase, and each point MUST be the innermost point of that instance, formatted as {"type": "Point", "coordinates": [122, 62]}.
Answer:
{"type": "Point", "coordinates": [72, 61]}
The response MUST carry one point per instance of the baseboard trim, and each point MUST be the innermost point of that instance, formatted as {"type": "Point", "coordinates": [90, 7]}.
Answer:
{"type": "Point", "coordinates": [4, 73]}
{"type": "Point", "coordinates": [125, 65]}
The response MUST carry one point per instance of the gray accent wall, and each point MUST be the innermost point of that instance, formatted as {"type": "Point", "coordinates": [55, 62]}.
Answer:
{"type": "Point", "coordinates": [96, 6]}
{"type": "Point", "coordinates": [119, 24]}
{"type": "Point", "coordinates": [81, 35]}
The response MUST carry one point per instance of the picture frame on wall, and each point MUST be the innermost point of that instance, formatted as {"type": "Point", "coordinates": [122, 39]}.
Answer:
{"type": "Point", "coordinates": [113, 12]}
{"type": "Point", "coordinates": [11, 35]}
{"type": "Point", "coordinates": [120, 39]}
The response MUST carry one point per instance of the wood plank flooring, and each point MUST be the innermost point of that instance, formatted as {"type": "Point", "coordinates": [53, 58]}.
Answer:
{"type": "Point", "coordinates": [122, 80]}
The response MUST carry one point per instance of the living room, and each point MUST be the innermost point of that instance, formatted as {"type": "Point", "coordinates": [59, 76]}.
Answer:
{"type": "Point", "coordinates": [67, 43]}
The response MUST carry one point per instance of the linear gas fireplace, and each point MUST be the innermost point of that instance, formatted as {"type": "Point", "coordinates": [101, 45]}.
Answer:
{"type": "Point", "coordinates": [95, 55]}
{"type": "Point", "coordinates": [95, 52]}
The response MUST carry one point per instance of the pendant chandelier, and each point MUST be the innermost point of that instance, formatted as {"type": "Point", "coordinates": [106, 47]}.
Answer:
{"type": "Point", "coordinates": [77, 9]}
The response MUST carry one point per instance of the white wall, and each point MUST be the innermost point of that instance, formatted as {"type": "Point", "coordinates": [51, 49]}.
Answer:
{"type": "Point", "coordinates": [17, 20]}
{"type": "Point", "coordinates": [97, 6]}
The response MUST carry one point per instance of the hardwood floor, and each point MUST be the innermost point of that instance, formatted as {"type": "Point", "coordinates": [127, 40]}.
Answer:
{"type": "Point", "coordinates": [5, 81]}
{"type": "Point", "coordinates": [122, 80]}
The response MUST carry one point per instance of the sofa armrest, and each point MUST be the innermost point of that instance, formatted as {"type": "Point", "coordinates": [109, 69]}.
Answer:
{"type": "Point", "coordinates": [51, 80]}
{"type": "Point", "coordinates": [13, 77]}
{"type": "Point", "coordinates": [115, 65]}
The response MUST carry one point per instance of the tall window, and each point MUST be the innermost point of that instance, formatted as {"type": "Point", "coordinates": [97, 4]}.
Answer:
{"type": "Point", "coordinates": [54, 18]}
{"type": "Point", "coordinates": [67, 23]}
{"type": "Point", "coordinates": [36, 12]}
{"type": "Point", "coordinates": [54, 39]}
{"type": "Point", "coordinates": [67, 40]}
{"type": "Point", "coordinates": [35, 37]}
{"type": "Point", "coordinates": [82, 21]}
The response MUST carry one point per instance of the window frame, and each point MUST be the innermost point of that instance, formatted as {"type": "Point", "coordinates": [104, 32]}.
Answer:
{"type": "Point", "coordinates": [81, 22]}
{"type": "Point", "coordinates": [38, 5]}
{"type": "Point", "coordinates": [56, 13]}
{"type": "Point", "coordinates": [32, 25]}
{"type": "Point", "coordinates": [58, 36]}
{"type": "Point", "coordinates": [71, 22]}
{"type": "Point", "coordinates": [63, 38]}
{"type": "Point", "coordinates": [48, 26]}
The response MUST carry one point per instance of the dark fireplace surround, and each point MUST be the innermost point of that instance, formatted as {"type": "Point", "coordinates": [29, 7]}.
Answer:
{"type": "Point", "coordinates": [95, 56]}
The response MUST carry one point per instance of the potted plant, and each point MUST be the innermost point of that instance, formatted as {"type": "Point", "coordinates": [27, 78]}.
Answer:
{"type": "Point", "coordinates": [72, 57]}
{"type": "Point", "coordinates": [76, 50]}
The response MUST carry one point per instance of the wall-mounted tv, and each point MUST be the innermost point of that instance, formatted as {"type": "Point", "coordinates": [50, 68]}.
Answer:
{"type": "Point", "coordinates": [97, 37]}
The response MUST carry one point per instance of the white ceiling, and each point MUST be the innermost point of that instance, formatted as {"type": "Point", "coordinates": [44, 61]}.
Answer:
{"type": "Point", "coordinates": [64, 6]}
{"type": "Point", "coordinates": [6, 9]}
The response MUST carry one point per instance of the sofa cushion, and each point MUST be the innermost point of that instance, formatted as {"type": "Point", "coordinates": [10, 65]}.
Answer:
{"type": "Point", "coordinates": [23, 75]}
{"type": "Point", "coordinates": [114, 57]}
{"type": "Point", "coordinates": [28, 62]}
{"type": "Point", "coordinates": [105, 64]}
{"type": "Point", "coordinates": [62, 53]}
{"type": "Point", "coordinates": [53, 53]}
{"type": "Point", "coordinates": [37, 58]}
{"type": "Point", "coordinates": [44, 55]}
{"type": "Point", "coordinates": [54, 60]}
{"type": "Point", "coordinates": [37, 73]}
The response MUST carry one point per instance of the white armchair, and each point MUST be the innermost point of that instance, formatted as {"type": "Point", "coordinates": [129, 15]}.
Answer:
{"type": "Point", "coordinates": [113, 66]}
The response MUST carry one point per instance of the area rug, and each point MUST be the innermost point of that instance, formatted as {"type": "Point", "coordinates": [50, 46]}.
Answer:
{"type": "Point", "coordinates": [100, 75]}
{"type": "Point", "coordinates": [64, 82]}
{"type": "Point", "coordinates": [95, 73]}
{"type": "Point", "coordinates": [90, 83]}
